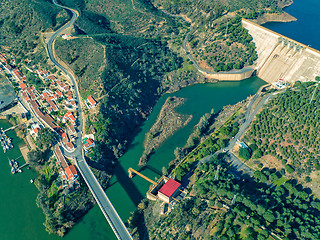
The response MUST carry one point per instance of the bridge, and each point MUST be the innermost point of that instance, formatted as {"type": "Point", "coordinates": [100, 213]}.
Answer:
{"type": "Point", "coordinates": [97, 191]}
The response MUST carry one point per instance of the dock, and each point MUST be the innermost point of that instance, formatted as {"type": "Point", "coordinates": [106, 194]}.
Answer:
{"type": "Point", "coordinates": [5, 141]}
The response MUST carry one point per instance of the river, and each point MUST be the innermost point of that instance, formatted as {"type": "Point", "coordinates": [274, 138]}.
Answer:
{"type": "Point", "coordinates": [22, 220]}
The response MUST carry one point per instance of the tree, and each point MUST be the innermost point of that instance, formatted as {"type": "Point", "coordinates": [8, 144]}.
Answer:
{"type": "Point", "coordinates": [289, 168]}
{"type": "Point", "coordinates": [245, 153]}
{"type": "Point", "coordinates": [257, 154]}
{"type": "Point", "coordinates": [46, 138]}
{"type": "Point", "coordinates": [268, 216]}
{"type": "Point", "coordinates": [35, 158]}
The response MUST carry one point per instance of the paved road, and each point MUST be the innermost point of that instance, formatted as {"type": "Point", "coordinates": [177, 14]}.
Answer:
{"type": "Point", "coordinates": [235, 162]}
{"type": "Point", "coordinates": [103, 201]}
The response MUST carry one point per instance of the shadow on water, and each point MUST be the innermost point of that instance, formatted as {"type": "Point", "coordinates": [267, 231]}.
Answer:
{"type": "Point", "coordinates": [152, 169]}
{"type": "Point", "coordinates": [127, 184]}
{"type": "Point", "coordinates": [142, 229]}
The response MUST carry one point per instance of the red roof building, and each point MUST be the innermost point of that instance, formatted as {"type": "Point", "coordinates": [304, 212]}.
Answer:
{"type": "Point", "coordinates": [71, 172]}
{"type": "Point", "coordinates": [51, 77]}
{"type": "Point", "coordinates": [89, 144]}
{"type": "Point", "coordinates": [60, 157]}
{"type": "Point", "coordinates": [25, 95]}
{"type": "Point", "coordinates": [169, 190]}
{"type": "Point", "coordinates": [92, 101]}
{"type": "Point", "coordinates": [59, 93]}
{"type": "Point", "coordinates": [23, 86]}
{"type": "Point", "coordinates": [70, 146]}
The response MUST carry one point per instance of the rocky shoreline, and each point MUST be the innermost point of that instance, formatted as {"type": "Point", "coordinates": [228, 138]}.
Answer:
{"type": "Point", "coordinates": [276, 17]}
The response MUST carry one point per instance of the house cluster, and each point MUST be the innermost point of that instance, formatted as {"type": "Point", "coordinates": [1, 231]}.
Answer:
{"type": "Point", "coordinates": [58, 97]}
{"type": "Point", "coordinates": [68, 173]}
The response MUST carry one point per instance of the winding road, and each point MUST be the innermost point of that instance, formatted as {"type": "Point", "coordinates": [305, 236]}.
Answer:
{"type": "Point", "coordinates": [235, 162]}
{"type": "Point", "coordinates": [100, 196]}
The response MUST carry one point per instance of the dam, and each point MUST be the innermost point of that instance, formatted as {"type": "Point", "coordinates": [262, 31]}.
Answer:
{"type": "Point", "coordinates": [280, 57]}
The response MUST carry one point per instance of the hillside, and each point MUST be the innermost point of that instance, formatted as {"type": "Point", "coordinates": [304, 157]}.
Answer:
{"type": "Point", "coordinates": [129, 53]}
{"type": "Point", "coordinates": [23, 21]}
{"type": "Point", "coordinates": [285, 137]}
{"type": "Point", "coordinates": [227, 207]}
{"type": "Point", "coordinates": [218, 42]}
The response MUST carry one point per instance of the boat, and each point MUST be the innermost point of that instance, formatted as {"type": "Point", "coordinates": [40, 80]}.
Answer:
{"type": "Point", "coordinates": [11, 163]}
{"type": "Point", "coordinates": [31, 180]}
{"type": "Point", "coordinates": [19, 170]}
{"type": "Point", "coordinates": [13, 170]}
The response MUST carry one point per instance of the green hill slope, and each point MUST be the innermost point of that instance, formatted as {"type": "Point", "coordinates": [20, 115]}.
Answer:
{"type": "Point", "coordinates": [22, 21]}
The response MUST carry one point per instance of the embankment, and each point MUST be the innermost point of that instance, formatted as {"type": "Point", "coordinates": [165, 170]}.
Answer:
{"type": "Point", "coordinates": [280, 57]}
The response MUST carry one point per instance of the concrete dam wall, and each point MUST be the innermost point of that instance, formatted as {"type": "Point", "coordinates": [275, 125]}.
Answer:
{"type": "Point", "coordinates": [280, 57]}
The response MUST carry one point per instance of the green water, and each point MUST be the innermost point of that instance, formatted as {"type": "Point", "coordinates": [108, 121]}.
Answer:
{"type": "Point", "coordinates": [126, 193]}
{"type": "Point", "coordinates": [20, 217]}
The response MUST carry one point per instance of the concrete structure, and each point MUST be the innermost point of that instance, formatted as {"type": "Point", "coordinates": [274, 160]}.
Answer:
{"type": "Point", "coordinates": [169, 190]}
{"type": "Point", "coordinates": [280, 57]}
{"type": "Point", "coordinates": [235, 75]}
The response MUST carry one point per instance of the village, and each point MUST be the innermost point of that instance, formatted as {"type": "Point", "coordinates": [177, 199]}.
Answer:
{"type": "Point", "coordinates": [51, 104]}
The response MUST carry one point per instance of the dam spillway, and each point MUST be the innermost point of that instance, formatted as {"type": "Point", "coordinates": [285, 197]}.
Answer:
{"type": "Point", "coordinates": [280, 57]}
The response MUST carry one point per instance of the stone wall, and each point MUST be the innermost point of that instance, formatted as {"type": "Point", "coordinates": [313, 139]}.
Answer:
{"type": "Point", "coordinates": [223, 76]}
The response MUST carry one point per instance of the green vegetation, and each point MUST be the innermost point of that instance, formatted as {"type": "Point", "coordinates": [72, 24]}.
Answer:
{"type": "Point", "coordinates": [226, 207]}
{"type": "Point", "coordinates": [245, 153]}
{"type": "Point", "coordinates": [224, 46]}
{"type": "Point", "coordinates": [62, 206]}
{"type": "Point", "coordinates": [21, 23]}
{"type": "Point", "coordinates": [46, 138]}
{"type": "Point", "coordinates": [199, 9]}
{"type": "Point", "coordinates": [287, 131]}
{"type": "Point", "coordinates": [209, 146]}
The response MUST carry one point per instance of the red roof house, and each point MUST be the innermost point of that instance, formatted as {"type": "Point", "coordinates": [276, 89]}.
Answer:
{"type": "Point", "coordinates": [23, 86]}
{"type": "Point", "coordinates": [71, 172]}
{"type": "Point", "coordinates": [92, 101]}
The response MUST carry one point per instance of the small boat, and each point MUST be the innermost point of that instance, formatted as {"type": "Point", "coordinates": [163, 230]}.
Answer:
{"type": "Point", "coordinates": [20, 170]}
{"type": "Point", "coordinates": [13, 170]}
{"type": "Point", "coordinates": [31, 180]}
{"type": "Point", "coordinates": [11, 163]}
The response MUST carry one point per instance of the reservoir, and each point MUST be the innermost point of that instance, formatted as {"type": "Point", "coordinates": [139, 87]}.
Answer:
{"type": "Point", "coordinates": [22, 220]}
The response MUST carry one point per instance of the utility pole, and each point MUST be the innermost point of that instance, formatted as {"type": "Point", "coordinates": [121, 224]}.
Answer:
{"type": "Point", "coordinates": [234, 199]}
{"type": "Point", "coordinates": [217, 173]}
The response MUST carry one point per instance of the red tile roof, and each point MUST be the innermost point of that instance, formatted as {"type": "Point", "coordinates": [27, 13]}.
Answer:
{"type": "Point", "coordinates": [71, 171]}
{"type": "Point", "coordinates": [92, 101]}
{"type": "Point", "coordinates": [51, 77]}
{"type": "Point", "coordinates": [60, 157]}
{"type": "Point", "coordinates": [23, 86]}
{"type": "Point", "coordinates": [70, 146]}
{"type": "Point", "coordinates": [59, 93]}
{"type": "Point", "coordinates": [36, 130]}
{"type": "Point", "coordinates": [169, 187]}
